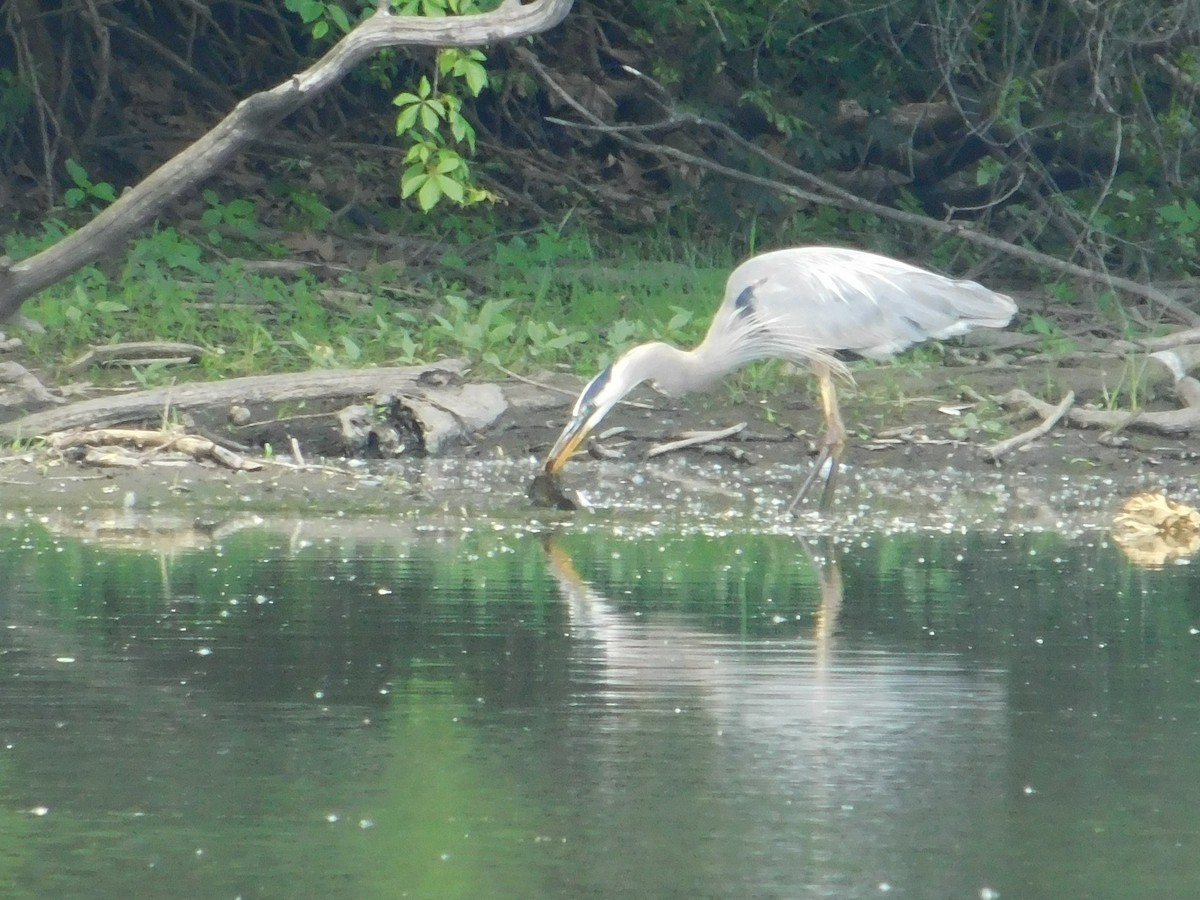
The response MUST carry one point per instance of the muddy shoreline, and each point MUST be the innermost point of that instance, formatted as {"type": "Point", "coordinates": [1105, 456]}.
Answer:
{"type": "Point", "coordinates": [910, 459]}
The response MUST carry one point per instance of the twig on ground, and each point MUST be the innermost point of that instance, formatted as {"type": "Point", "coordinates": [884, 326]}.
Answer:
{"type": "Point", "coordinates": [693, 439]}
{"type": "Point", "coordinates": [993, 452]}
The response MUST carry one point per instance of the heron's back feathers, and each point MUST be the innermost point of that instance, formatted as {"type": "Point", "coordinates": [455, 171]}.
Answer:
{"type": "Point", "coordinates": [810, 302]}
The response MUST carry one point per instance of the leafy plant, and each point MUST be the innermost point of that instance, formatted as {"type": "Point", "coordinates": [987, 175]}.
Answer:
{"type": "Point", "coordinates": [237, 215]}
{"type": "Point", "coordinates": [431, 118]}
{"type": "Point", "coordinates": [320, 15]}
{"type": "Point", "coordinates": [1185, 220]}
{"type": "Point", "coordinates": [15, 101]}
{"type": "Point", "coordinates": [85, 188]}
{"type": "Point", "coordinates": [972, 423]}
{"type": "Point", "coordinates": [477, 333]}
{"type": "Point", "coordinates": [1054, 339]}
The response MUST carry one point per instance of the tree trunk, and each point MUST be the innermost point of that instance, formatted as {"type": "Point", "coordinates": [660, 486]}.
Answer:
{"type": "Point", "coordinates": [250, 120]}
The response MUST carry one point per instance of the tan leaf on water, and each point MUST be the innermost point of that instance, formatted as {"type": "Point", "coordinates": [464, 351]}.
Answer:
{"type": "Point", "coordinates": [1152, 529]}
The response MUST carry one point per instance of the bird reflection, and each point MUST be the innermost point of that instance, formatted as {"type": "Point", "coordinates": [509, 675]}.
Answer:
{"type": "Point", "coordinates": [860, 728]}
{"type": "Point", "coordinates": [591, 611]}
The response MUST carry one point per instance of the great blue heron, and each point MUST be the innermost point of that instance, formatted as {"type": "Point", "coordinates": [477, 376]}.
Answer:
{"type": "Point", "coordinates": [805, 304]}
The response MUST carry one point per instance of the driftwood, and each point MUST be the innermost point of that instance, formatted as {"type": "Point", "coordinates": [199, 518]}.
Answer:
{"type": "Point", "coordinates": [441, 406]}
{"type": "Point", "coordinates": [136, 353]}
{"type": "Point", "coordinates": [251, 120]}
{"type": "Point", "coordinates": [993, 452]}
{"type": "Point", "coordinates": [693, 439]}
{"type": "Point", "coordinates": [105, 446]}
{"type": "Point", "coordinates": [20, 389]}
{"type": "Point", "coordinates": [1168, 422]}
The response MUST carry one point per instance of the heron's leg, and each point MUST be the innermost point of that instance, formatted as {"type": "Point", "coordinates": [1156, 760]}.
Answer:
{"type": "Point", "coordinates": [822, 457]}
{"type": "Point", "coordinates": [831, 446]}
{"type": "Point", "coordinates": [835, 436]}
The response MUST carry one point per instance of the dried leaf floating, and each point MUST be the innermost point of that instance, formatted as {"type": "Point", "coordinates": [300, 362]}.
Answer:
{"type": "Point", "coordinates": [1153, 530]}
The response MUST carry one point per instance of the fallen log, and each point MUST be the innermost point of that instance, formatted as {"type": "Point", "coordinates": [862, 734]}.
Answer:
{"type": "Point", "coordinates": [444, 408]}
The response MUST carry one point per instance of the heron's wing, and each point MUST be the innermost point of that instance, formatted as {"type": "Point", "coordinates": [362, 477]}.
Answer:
{"type": "Point", "coordinates": [834, 299]}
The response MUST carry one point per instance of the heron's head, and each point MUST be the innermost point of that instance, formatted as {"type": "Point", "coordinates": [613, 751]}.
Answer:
{"type": "Point", "coordinates": [592, 406]}
{"type": "Point", "coordinates": [601, 394]}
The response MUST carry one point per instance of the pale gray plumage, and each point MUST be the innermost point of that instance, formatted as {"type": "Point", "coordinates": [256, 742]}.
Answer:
{"type": "Point", "coordinates": [804, 304]}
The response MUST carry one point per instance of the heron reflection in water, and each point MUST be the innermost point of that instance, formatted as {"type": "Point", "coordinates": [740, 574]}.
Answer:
{"type": "Point", "coordinates": [806, 305]}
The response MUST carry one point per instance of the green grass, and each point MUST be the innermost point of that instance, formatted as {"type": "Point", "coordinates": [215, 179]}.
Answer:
{"type": "Point", "coordinates": [544, 300]}
{"type": "Point", "coordinates": [547, 298]}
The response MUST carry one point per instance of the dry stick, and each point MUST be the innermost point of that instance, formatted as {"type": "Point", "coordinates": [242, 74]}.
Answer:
{"type": "Point", "coordinates": [252, 119]}
{"type": "Point", "coordinates": [1165, 421]}
{"type": "Point", "coordinates": [695, 438]}
{"type": "Point", "coordinates": [832, 195]}
{"type": "Point", "coordinates": [993, 452]}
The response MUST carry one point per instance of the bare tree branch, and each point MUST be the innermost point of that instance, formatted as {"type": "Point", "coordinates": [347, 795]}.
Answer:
{"type": "Point", "coordinates": [250, 120]}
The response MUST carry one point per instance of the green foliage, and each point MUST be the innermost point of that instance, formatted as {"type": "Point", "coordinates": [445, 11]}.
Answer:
{"type": "Point", "coordinates": [320, 15]}
{"type": "Point", "coordinates": [1054, 340]}
{"type": "Point", "coordinates": [431, 117]}
{"type": "Point", "coordinates": [972, 423]}
{"type": "Point", "coordinates": [1183, 221]}
{"type": "Point", "coordinates": [481, 333]}
{"type": "Point", "coordinates": [86, 189]}
{"type": "Point", "coordinates": [15, 101]}
{"type": "Point", "coordinates": [324, 356]}
{"type": "Point", "coordinates": [310, 211]}
{"type": "Point", "coordinates": [237, 215]}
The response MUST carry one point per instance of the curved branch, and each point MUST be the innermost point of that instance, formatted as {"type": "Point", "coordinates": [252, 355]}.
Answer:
{"type": "Point", "coordinates": [249, 121]}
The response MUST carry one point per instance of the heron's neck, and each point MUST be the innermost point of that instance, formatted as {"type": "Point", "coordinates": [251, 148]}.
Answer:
{"type": "Point", "coordinates": [678, 371]}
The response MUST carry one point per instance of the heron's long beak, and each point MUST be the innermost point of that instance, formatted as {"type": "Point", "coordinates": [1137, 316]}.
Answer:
{"type": "Point", "coordinates": [572, 436]}
{"type": "Point", "coordinates": [588, 411]}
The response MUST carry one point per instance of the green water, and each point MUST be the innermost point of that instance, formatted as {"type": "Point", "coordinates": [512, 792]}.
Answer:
{"type": "Point", "coordinates": [343, 711]}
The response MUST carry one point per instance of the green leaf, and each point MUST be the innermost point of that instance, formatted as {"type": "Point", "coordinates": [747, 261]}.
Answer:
{"type": "Point", "coordinates": [462, 130]}
{"type": "Point", "coordinates": [339, 17]}
{"type": "Point", "coordinates": [320, 29]}
{"type": "Point", "coordinates": [431, 115]}
{"type": "Point", "coordinates": [412, 180]}
{"type": "Point", "coordinates": [451, 188]}
{"type": "Point", "coordinates": [78, 174]}
{"type": "Point", "coordinates": [406, 119]}
{"type": "Point", "coordinates": [429, 196]}
{"type": "Point", "coordinates": [476, 77]}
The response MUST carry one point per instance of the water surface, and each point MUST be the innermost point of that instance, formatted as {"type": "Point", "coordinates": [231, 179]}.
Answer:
{"type": "Point", "coordinates": [338, 708]}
